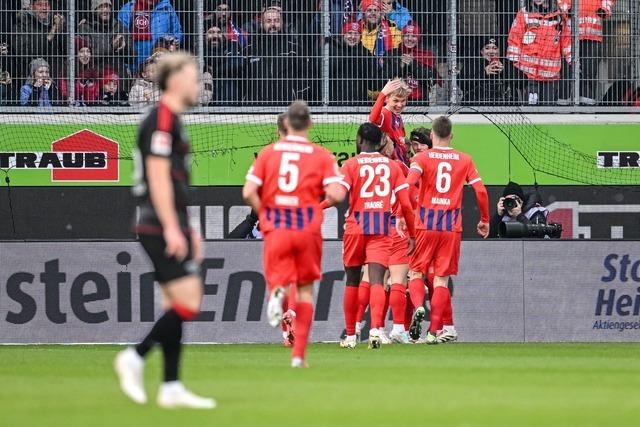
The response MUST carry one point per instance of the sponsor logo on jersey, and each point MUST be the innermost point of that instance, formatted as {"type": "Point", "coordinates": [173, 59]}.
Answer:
{"type": "Point", "coordinates": [81, 156]}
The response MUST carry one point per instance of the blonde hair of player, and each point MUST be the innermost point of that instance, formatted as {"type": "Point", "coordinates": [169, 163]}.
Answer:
{"type": "Point", "coordinates": [402, 91]}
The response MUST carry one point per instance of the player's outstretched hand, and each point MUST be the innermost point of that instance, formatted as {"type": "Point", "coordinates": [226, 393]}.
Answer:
{"type": "Point", "coordinates": [391, 86]}
{"type": "Point", "coordinates": [196, 246]}
{"type": "Point", "coordinates": [483, 229]}
{"type": "Point", "coordinates": [412, 246]}
{"type": "Point", "coordinates": [177, 245]}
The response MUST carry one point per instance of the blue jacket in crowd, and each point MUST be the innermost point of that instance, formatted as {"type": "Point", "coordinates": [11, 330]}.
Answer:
{"type": "Point", "coordinates": [164, 22]}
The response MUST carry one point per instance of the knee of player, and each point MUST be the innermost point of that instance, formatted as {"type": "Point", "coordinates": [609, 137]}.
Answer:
{"type": "Point", "coordinates": [305, 293]}
{"type": "Point", "coordinates": [415, 275]}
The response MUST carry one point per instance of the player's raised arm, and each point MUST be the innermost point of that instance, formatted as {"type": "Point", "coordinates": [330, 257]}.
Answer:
{"type": "Point", "coordinates": [375, 116]}
{"type": "Point", "coordinates": [482, 198]}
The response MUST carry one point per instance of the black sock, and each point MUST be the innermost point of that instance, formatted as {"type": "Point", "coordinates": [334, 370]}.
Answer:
{"type": "Point", "coordinates": [171, 351]}
{"type": "Point", "coordinates": [166, 331]}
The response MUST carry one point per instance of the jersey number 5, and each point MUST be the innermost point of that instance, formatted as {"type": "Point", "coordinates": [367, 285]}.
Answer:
{"type": "Point", "coordinates": [383, 187]}
{"type": "Point", "coordinates": [289, 172]}
{"type": "Point", "coordinates": [443, 179]}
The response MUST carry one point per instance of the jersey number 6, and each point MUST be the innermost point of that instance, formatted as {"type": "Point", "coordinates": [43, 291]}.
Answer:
{"type": "Point", "coordinates": [443, 179]}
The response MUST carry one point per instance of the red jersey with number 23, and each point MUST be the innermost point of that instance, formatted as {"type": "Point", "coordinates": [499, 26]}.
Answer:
{"type": "Point", "coordinates": [372, 180]}
{"type": "Point", "coordinates": [292, 174]}
{"type": "Point", "coordinates": [444, 172]}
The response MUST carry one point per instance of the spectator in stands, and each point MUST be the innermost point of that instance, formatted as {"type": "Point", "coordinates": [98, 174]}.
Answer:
{"type": "Point", "coordinates": [272, 57]}
{"type": "Point", "coordinates": [342, 12]}
{"type": "Point", "coordinates": [396, 13]}
{"type": "Point", "coordinates": [590, 17]}
{"type": "Point", "coordinates": [148, 21]}
{"type": "Point", "coordinates": [39, 33]}
{"type": "Point", "coordinates": [485, 79]}
{"type": "Point", "coordinates": [379, 35]}
{"type": "Point", "coordinates": [111, 94]}
{"type": "Point", "coordinates": [166, 44]}
{"type": "Point", "coordinates": [415, 65]}
{"type": "Point", "coordinates": [223, 59]}
{"type": "Point", "coordinates": [222, 18]}
{"type": "Point", "coordinates": [353, 68]}
{"type": "Point", "coordinates": [145, 90]}
{"type": "Point", "coordinates": [539, 39]}
{"type": "Point", "coordinates": [5, 75]}
{"type": "Point", "coordinates": [39, 90]}
{"type": "Point", "coordinates": [87, 84]}
{"type": "Point", "coordinates": [111, 42]}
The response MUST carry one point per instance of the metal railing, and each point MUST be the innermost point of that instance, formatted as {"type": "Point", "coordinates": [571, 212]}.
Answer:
{"type": "Point", "coordinates": [538, 55]}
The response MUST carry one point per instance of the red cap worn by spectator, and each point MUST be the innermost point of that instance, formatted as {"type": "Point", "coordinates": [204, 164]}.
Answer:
{"type": "Point", "coordinates": [412, 28]}
{"type": "Point", "coordinates": [109, 76]}
{"type": "Point", "coordinates": [366, 4]}
{"type": "Point", "coordinates": [351, 26]}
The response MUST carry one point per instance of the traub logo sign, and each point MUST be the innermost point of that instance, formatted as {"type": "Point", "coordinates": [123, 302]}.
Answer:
{"type": "Point", "coordinates": [81, 156]}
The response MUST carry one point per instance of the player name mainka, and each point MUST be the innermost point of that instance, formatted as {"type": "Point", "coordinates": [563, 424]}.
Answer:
{"type": "Point", "coordinates": [440, 201]}
{"type": "Point", "coordinates": [444, 156]}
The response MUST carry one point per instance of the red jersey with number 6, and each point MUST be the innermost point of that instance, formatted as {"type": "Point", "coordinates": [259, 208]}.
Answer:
{"type": "Point", "coordinates": [444, 172]}
{"type": "Point", "coordinates": [372, 180]}
{"type": "Point", "coordinates": [292, 174]}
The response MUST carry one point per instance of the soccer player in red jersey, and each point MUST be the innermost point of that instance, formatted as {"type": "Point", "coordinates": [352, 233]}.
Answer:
{"type": "Point", "coordinates": [399, 261]}
{"type": "Point", "coordinates": [285, 185]}
{"type": "Point", "coordinates": [441, 173]}
{"type": "Point", "coordinates": [387, 115]}
{"type": "Point", "coordinates": [373, 181]}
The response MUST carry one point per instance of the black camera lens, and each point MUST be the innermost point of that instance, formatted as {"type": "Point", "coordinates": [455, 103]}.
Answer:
{"type": "Point", "coordinates": [509, 203]}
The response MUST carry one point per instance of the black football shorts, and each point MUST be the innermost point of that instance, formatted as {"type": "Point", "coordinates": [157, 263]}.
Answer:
{"type": "Point", "coordinates": [167, 268]}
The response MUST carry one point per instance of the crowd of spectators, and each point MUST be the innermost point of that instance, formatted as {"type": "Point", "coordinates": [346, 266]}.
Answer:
{"type": "Point", "coordinates": [273, 51]}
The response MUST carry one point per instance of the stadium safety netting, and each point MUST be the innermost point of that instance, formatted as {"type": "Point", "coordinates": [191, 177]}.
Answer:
{"type": "Point", "coordinates": [240, 135]}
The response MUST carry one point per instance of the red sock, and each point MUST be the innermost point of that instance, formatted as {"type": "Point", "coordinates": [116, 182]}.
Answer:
{"type": "Point", "coordinates": [377, 305]}
{"type": "Point", "coordinates": [304, 316]}
{"type": "Point", "coordinates": [416, 291]}
{"type": "Point", "coordinates": [408, 313]}
{"type": "Point", "coordinates": [430, 285]}
{"type": "Point", "coordinates": [285, 307]}
{"type": "Point", "coordinates": [350, 308]}
{"type": "Point", "coordinates": [364, 291]}
{"type": "Point", "coordinates": [438, 306]}
{"type": "Point", "coordinates": [398, 302]}
{"type": "Point", "coordinates": [387, 295]}
{"type": "Point", "coordinates": [447, 317]}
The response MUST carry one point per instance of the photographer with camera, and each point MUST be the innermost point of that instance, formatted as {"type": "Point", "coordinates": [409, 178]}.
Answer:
{"type": "Point", "coordinates": [509, 209]}
{"type": "Point", "coordinates": [522, 216]}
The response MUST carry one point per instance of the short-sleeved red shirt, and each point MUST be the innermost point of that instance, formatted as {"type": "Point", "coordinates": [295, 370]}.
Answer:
{"type": "Point", "coordinates": [292, 174]}
{"type": "Point", "coordinates": [444, 172]}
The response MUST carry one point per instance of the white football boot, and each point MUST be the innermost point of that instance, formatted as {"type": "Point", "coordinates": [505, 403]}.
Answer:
{"type": "Point", "coordinates": [350, 342]}
{"type": "Point", "coordinates": [447, 334]}
{"type": "Point", "coordinates": [274, 307]}
{"type": "Point", "coordinates": [173, 394]}
{"type": "Point", "coordinates": [129, 366]}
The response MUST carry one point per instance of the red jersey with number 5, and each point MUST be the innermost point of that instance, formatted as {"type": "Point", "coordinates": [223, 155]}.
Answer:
{"type": "Point", "coordinates": [372, 180]}
{"type": "Point", "coordinates": [444, 172]}
{"type": "Point", "coordinates": [292, 174]}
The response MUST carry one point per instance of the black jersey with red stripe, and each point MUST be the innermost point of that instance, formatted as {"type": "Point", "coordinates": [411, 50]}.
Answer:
{"type": "Point", "coordinates": [161, 134]}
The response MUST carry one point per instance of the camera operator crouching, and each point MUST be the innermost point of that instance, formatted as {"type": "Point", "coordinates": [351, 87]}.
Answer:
{"type": "Point", "coordinates": [522, 216]}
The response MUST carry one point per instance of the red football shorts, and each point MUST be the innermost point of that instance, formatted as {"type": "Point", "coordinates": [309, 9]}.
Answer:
{"type": "Point", "coordinates": [438, 248]}
{"type": "Point", "coordinates": [291, 257]}
{"type": "Point", "coordinates": [361, 249]}
{"type": "Point", "coordinates": [399, 249]}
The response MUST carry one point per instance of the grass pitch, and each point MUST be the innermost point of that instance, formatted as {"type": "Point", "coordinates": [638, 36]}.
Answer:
{"type": "Point", "coordinates": [445, 385]}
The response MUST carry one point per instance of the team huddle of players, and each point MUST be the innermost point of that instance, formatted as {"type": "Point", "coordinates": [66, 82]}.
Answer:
{"type": "Point", "coordinates": [403, 227]}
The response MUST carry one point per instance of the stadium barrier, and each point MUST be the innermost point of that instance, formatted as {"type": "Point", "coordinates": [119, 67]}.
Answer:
{"type": "Point", "coordinates": [507, 291]}
{"type": "Point", "coordinates": [260, 54]}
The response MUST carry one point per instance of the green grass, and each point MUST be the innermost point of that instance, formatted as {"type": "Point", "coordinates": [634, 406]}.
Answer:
{"type": "Point", "coordinates": [446, 385]}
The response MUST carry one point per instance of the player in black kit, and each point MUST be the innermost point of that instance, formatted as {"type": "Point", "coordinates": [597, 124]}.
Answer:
{"type": "Point", "coordinates": [161, 188]}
